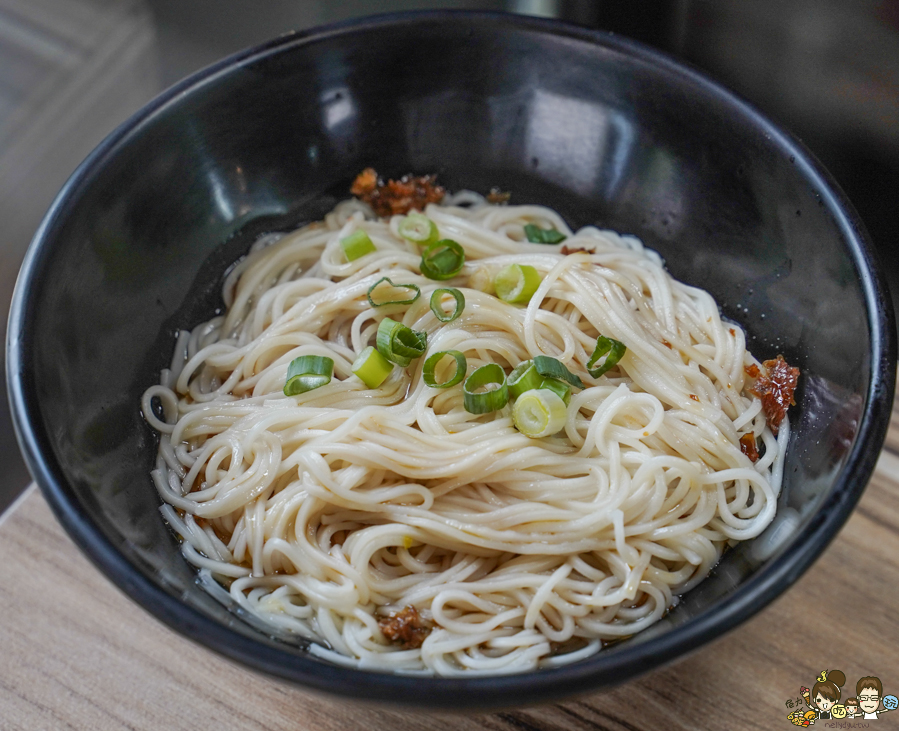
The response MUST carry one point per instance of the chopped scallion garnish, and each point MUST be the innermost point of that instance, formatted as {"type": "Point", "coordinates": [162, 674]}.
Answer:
{"type": "Point", "coordinates": [516, 283]}
{"type": "Point", "coordinates": [442, 260]}
{"type": "Point", "coordinates": [483, 402]}
{"type": "Point", "coordinates": [308, 372]}
{"type": "Point", "coordinates": [419, 229]}
{"type": "Point", "coordinates": [611, 349]}
{"type": "Point", "coordinates": [537, 235]}
{"type": "Point", "coordinates": [386, 292]}
{"type": "Point", "coordinates": [539, 413]}
{"type": "Point", "coordinates": [372, 367]}
{"type": "Point", "coordinates": [431, 366]}
{"type": "Point", "coordinates": [357, 245]}
{"type": "Point", "coordinates": [437, 305]}
{"type": "Point", "coordinates": [560, 388]}
{"type": "Point", "coordinates": [400, 344]}
{"type": "Point", "coordinates": [523, 377]}
{"type": "Point", "coordinates": [553, 368]}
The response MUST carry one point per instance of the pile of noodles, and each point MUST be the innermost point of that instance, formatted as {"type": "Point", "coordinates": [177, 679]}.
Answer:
{"type": "Point", "coordinates": [322, 513]}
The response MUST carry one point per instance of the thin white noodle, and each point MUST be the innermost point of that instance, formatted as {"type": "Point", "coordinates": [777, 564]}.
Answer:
{"type": "Point", "coordinates": [327, 511]}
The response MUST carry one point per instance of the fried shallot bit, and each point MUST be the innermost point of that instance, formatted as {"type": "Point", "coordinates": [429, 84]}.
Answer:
{"type": "Point", "coordinates": [365, 183]}
{"type": "Point", "coordinates": [406, 627]}
{"type": "Point", "coordinates": [752, 370]}
{"type": "Point", "coordinates": [396, 196]}
{"type": "Point", "coordinates": [748, 447]}
{"type": "Point", "coordinates": [497, 196]}
{"type": "Point", "coordinates": [775, 388]}
{"type": "Point", "coordinates": [566, 250]}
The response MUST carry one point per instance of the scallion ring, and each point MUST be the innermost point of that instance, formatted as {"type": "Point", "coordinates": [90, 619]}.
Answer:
{"type": "Point", "coordinates": [560, 388]}
{"type": "Point", "coordinates": [611, 349]}
{"type": "Point", "coordinates": [553, 368]}
{"type": "Point", "coordinates": [400, 344]}
{"type": "Point", "coordinates": [371, 367]}
{"type": "Point", "coordinates": [308, 372]}
{"type": "Point", "coordinates": [539, 413]}
{"type": "Point", "coordinates": [408, 301]}
{"type": "Point", "coordinates": [437, 306]}
{"type": "Point", "coordinates": [516, 283]}
{"type": "Point", "coordinates": [431, 366]}
{"type": "Point", "coordinates": [357, 245]}
{"type": "Point", "coordinates": [537, 235]}
{"type": "Point", "coordinates": [442, 260]}
{"type": "Point", "coordinates": [523, 377]}
{"type": "Point", "coordinates": [419, 229]}
{"type": "Point", "coordinates": [486, 401]}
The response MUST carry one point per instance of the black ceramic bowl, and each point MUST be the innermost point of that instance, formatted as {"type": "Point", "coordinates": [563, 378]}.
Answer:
{"type": "Point", "coordinates": [604, 130]}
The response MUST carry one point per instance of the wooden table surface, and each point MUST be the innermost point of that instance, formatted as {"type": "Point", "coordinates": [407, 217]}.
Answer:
{"type": "Point", "coordinates": [75, 653]}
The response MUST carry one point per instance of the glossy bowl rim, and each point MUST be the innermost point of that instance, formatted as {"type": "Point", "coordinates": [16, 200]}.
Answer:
{"type": "Point", "coordinates": [600, 670]}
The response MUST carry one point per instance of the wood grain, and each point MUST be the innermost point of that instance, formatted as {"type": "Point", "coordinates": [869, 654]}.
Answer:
{"type": "Point", "coordinates": [75, 653]}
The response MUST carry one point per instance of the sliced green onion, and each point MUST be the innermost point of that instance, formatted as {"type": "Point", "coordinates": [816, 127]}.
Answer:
{"type": "Point", "coordinates": [437, 306]}
{"type": "Point", "coordinates": [356, 245]}
{"type": "Point", "coordinates": [612, 349]}
{"type": "Point", "coordinates": [539, 413]}
{"type": "Point", "coordinates": [553, 368]}
{"type": "Point", "coordinates": [419, 229]}
{"type": "Point", "coordinates": [523, 377]}
{"type": "Point", "coordinates": [431, 367]}
{"type": "Point", "coordinates": [442, 260]}
{"type": "Point", "coordinates": [400, 344]}
{"type": "Point", "coordinates": [372, 367]}
{"type": "Point", "coordinates": [560, 388]}
{"type": "Point", "coordinates": [411, 287]}
{"type": "Point", "coordinates": [308, 372]}
{"type": "Point", "coordinates": [516, 283]}
{"type": "Point", "coordinates": [486, 401]}
{"type": "Point", "coordinates": [537, 235]}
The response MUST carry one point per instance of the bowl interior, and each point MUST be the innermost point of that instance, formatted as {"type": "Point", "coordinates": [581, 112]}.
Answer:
{"type": "Point", "coordinates": [604, 131]}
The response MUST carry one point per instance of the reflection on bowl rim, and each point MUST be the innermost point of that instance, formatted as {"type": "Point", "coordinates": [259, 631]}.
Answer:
{"type": "Point", "coordinates": [601, 670]}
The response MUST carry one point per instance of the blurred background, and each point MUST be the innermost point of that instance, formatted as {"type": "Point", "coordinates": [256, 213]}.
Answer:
{"type": "Point", "coordinates": [71, 70]}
